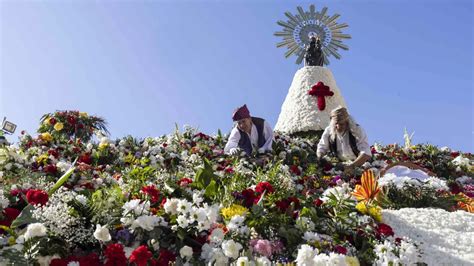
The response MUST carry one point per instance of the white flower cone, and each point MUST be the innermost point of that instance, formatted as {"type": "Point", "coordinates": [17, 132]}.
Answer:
{"type": "Point", "coordinates": [299, 111]}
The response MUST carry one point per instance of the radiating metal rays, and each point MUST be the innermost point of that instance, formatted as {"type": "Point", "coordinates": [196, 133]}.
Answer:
{"type": "Point", "coordinates": [298, 28]}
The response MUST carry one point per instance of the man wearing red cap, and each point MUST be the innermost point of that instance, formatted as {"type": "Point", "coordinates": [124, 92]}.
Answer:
{"type": "Point", "coordinates": [250, 134]}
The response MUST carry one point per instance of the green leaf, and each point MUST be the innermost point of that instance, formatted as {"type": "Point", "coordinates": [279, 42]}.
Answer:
{"type": "Point", "coordinates": [63, 179]}
{"type": "Point", "coordinates": [25, 217]}
{"type": "Point", "coordinates": [211, 189]}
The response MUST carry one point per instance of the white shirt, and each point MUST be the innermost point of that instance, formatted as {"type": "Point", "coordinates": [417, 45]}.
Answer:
{"type": "Point", "coordinates": [234, 138]}
{"type": "Point", "coordinates": [344, 150]}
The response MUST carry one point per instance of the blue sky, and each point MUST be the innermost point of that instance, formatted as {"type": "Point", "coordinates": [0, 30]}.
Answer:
{"type": "Point", "coordinates": [146, 65]}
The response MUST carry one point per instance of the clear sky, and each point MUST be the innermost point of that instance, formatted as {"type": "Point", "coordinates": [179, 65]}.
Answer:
{"type": "Point", "coordinates": [146, 65]}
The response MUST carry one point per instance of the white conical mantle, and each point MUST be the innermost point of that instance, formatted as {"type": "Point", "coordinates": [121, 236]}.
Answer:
{"type": "Point", "coordinates": [300, 111]}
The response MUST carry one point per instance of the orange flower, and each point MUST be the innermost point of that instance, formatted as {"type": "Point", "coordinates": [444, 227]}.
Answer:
{"type": "Point", "coordinates": [369, 188]}
{"type": "Point", "coordinates": [466, 203]}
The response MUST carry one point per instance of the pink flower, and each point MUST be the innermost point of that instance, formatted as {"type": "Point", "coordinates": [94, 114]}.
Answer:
{"type": "Point", "coordinates": [262, 247]}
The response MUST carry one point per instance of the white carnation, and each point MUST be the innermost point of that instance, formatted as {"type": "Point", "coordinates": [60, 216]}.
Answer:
{"type": "Point", "coordinates": [34, 230]}
{"type": "Point", "coordinates": [186, 252]}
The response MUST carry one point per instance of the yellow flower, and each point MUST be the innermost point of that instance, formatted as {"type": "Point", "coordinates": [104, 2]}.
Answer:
{"type": "Point", "coordinates": [376, 213]}
{"type": "Point", "coordinates": [233, 210]}
{"type": "Point", "coordinates": [42, 159]}
{"type": "Point", "coordinates": [11, 241]}
{"type": "Point", "coordinates": [83, 114]}
{"type": "Point", "coordinates": [103, 145]}
{"type": "Point", "coordinates": [327, 177]}
{"type": "Point", "coordinates": [362, 207]}
{"type": "Point", "coordinates": [46, 121]}
{"type": "Point", "coordinates": [58, 126]}
{"type": "Point", "coordinates": [46, 137]}
{"type": "Point", "coordinates": [352, 261]}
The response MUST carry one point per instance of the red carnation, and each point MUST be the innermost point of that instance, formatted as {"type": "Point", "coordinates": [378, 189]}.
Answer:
{"type": "Point", "coordinates": [166, 257]}
{"type": "Point", "coordinates": [264, 186]}
{"type": "Point", "coordinates": [115, 255]}
{"type": "Point", "coordinates": [54, 153]}
{"type": "Point", "coordinates": [249, 197]}
{"type": "Point", "coordinates": [37, 196]}
{"type": "Point", "coordinates": [71, 119]}
{"type": "Point", "coordinates": [295, 170]}
{"type": "Point", "coordinates": [340, 249]}
{"type": "Point", "coordinates": [183, 182]}
{"type": "Point", "coordinates": [384, 230]}
{"type": "Point", "coordinates": [282, 204]}
{"type": "Point", "coordinates": [152, 192]}
{"type": "Point", "coordinates": [140, 255]}
{"type": "Point", "coordinates": [9, 215]}
{"type": "Point", "coordinates": [50, 169]}
{"type": "Point", "coordinates": [318, 202]}
{"type": "Point", "coordinates": [85, 158]}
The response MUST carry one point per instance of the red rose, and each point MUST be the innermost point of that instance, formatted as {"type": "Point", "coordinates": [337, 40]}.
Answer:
{"type": "Point", "coordinates": [384, 230]}
{"type": "Point", "coordinates": [140, 256]}
{"type": "Point", "coordinates": [152, 192]}
{"type": "Point", "coordinates": [37, 196]}
{"type": "Point", "coordinates": [115, 255]}
{"type": "Point", "coordinates": [264, 186]}
{"type": "Point", "coordinates": [340, 249]}
{"type": "Point", "coordinates": [52, 121]}
{"type": "Point", "coordinates": [166, 257]}
{"type": "Point", "coordinates": [454, 154]}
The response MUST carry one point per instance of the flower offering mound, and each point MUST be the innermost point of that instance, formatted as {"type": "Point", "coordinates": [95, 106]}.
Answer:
{"type": "Point", "coordinates": [301, 111]}
{"type": "Point", "coordinates": [445, 238]}
{"type": "Point", "coordinates": [72, 196]}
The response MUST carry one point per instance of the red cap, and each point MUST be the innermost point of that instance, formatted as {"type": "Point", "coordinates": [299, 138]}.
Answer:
{"type": "Point", "coordinates": [241, 113]}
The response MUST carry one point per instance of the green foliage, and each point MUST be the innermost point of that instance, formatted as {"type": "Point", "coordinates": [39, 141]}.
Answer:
{"type": "Point", "coordinates": [413, 196]}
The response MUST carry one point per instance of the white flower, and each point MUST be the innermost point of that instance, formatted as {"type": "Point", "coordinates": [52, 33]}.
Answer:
{"type": "Point", "coordinates": [171, 206]}
{"type": "Point", "coordinates": [82, 199]}
{"type": "Point", "coordinates": [243, 261]}
{"type": "Point", "coordinates": [34, 230]}
{"type": "Point", "coordinates": [4, 202]}
{"type": "Point", "coordinates": [337, 259]}
{"type": "Point", "coordinates": [461, 161]}
{"type": "Point", "coordinates": [311, 236]}
{"type": "Point", "coordinates": [184, 206]}
{"type": "Point", "coordinates": [102, 233]}
{"type": "Point", "coordinates": [147, 222]}
{"type": "Point", "coordinates": [182, 221]}
{"type": "Point", "coordinates": [263, 261]}
{"type": "Point", "coordinates": [231, 248]}
{"type": "Point", "coordinates": [321, 260]}
{"type": "Point", "coordinates": [216, 236]}
{"type": "Point", "coordinates": [186, 252]}
{"type": "Point", "coordinates": [73, 263]}
{"type": "Point", "coordinates": [46, 260]}
{"type": "Point", "coordinates": [305, 255]}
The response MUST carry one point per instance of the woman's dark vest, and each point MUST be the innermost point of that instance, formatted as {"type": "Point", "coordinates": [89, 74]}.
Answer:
{"type": "Point", "coordinates": [245, 143]}
{"type": "Point", "coordinates": [352, 142]}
